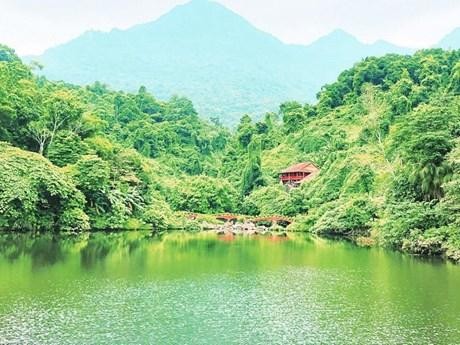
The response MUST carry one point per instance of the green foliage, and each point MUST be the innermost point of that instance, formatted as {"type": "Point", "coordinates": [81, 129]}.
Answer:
{"type": "Point", "coordinates": [386, 139]}
{"type": "Point", "coordinates": [436, 241]}
{"type": "Point", "coordinates": [252, 174]}
{"type": "Point", "coordinates": [245, 131]}
{"type": "Point", "coordinates": [293, 116]}
{"type": "Point", "coordinates": [384, 135]}
{"type": "Point", "coordinates": [423, 140]}
{"type": "Point", "coordinates": [402, 218]}
{"type": "Point", "coordinates": [345, 217]}
{"type": "Point", "coordinates": [35, 195]}
{"type": "Point", "coordinates": [92, 176]}
{"type": "Point", "coordinates": [158, 215]}
{"type": "Point", "coordinates": [89, 132]}
{"type": "Point", "coordinates": [7, 54]}
{"type": "Point", "coordinates": [268, 200]}
{"type": "Point", "coordinates": [203, 194]}
{"type": "Point", "coordinates": [67, 148]}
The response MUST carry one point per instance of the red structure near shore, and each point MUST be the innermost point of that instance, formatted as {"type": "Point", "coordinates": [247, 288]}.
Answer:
{"type": "Point", "coordinates": [298, 173]}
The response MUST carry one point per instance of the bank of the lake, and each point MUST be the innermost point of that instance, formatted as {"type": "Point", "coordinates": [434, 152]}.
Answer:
{"type": "Point", "coordinates": [181, 288]}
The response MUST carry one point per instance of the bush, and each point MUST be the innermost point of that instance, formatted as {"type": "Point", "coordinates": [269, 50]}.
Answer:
{"type": "Point", "coordinates": [269, 200]}
{"type": "Point", "coordinates": [35, 195]}
{"type": "Point", "coordinates": [444, 241]}
{"type": "Point", "coordinates": [159, 216]}
{"type": "Point", "coordinates": [347, 217]}
{"type": "Point", "coordinates": [203, 194]}
{"type": "Point", "coordinates": [400, 220]}
{"type": "Point", "coordinates": [67, 148]}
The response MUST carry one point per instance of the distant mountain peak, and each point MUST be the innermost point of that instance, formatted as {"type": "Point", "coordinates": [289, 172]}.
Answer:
{"type": "Point", "coordinates": [207, 52]}
{"type": "Point", "coordinates": [199, 14]}
{"type": "Point", "coordinates": [335, 39]}
{"type": "Point", "coordinates": [338, 35]}
{"type": "Point", "coordinates": [201, 5]}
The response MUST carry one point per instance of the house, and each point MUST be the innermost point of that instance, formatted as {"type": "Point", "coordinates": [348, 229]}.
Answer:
{"type": "Point", "coordinates": [298, 173]}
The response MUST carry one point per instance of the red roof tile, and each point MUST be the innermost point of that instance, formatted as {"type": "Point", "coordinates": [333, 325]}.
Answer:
{"type": "Point", "coordinates": [301, 167]}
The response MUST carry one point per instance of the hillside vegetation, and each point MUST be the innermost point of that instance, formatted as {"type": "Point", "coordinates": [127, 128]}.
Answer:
{"type": "Point", "coordinates": [385, 136]}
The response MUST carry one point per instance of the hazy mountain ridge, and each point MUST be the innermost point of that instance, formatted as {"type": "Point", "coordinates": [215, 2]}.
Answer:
{"type": "Point", "coordinates": [212, 55]}
{"type": "Point", "coordinates": [451, 40]}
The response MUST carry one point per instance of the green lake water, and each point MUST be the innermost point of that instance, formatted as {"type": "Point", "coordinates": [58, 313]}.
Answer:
{"type": "Point", "coordinates": [131, 288]}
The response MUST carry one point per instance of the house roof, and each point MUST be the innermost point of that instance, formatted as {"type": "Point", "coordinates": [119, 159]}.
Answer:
{"type": "Point", "coordinates": [301, 167]}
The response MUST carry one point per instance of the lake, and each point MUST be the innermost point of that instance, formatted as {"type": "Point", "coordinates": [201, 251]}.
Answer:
{"type": "Point", "coordinates": [133, 288]}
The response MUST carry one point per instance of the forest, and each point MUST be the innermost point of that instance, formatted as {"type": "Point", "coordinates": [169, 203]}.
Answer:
{"type": "Point", "coordinates": [385, 135]}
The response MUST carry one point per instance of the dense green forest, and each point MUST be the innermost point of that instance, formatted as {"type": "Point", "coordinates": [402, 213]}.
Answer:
{"type": "Point", "coordinates": [385, 135]}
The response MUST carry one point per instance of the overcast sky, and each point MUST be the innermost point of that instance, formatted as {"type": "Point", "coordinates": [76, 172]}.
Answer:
{"type": "Point", "coordinates": [31, 26]}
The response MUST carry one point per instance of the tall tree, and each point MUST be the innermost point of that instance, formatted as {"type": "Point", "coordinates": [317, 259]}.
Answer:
{"type": "Point", "coordinates": [62, 111]}
{"type": "Point", "coordinates": [252, 174]}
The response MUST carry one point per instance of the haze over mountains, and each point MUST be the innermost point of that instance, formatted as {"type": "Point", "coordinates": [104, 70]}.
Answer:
{"type": "Point", "coordinates": [215, 57]}
{"type": "Point", "coordinates": [450, 41]}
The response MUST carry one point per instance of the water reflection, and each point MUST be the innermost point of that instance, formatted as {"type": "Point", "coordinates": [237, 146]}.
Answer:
{"type": "Point", "coordinates": [99, 245]}
{"type": "Point", "coordinates": [118, 288]}
{"type": "Point", "coordinates": [96, 249]}
{"type": "Point", "coordinates": [43, 250]}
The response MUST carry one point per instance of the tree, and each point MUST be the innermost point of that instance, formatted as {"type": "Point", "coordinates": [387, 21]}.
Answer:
{"type": "Point", "coordinates": [293, 116]}
{"type": "Point", "coordinates": [423, 140]}
{"type": "Point", "coordinates": [92, 176]}
{"type": "Point", "coordinates": [146, 102]}
{"type": "Point", "coordinates": [455, 79]}
{"type": "Point", "coordinates": [252, 174]}
{"type": "Point", "coordinates": [40, 133]}
{"type": "Point", "coordinates": [7, 54]}
{"type": "Point", "coordinates": [204, 194]}
{"type": "Point", "coordinates": [62, 110]}
{"type": "Point", "coordinates": [400, 94]}
{"type": "Point", "coordinates": [35, 195]}
{"type": "Point", "coordinates": [67, 148]}
{"type": "Point", "coordinates": [179, 108]}
{"type": "Point", "coordinates": [429, 168]}
{"type": "Point", "coordinates": [245, 131]}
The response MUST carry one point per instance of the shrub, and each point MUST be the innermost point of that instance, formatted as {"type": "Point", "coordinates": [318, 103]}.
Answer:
{"type": "Point", "coordinates": [35, 195]}
{"type": "Point", "coordinates": [402, 219]}
{"type": "Point", "coordinates": [347, 217]}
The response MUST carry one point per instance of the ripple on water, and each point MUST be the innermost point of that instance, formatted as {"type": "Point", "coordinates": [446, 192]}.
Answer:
{"type": "Point", "coordinates": [295, 305]}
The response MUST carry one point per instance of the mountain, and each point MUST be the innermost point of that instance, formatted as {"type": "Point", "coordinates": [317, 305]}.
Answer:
{"type": "Point", "coordinates": [212, 55]}
{"type": "Point", "coordinates": [450, 41]}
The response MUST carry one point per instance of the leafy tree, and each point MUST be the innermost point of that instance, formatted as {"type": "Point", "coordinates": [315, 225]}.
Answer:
{"type": "Point", "coordinates": [204, 194]}
{"type": "Point", "coordinates": [7, 54]}
{"type": "Point", "coordinates": [146, 102]}
{"type": "Point", "coordinates": [62, 110]}
{"type": "Point", "coordinates": [92, 176]}
{"type": "Point", "coordinates": [455, 79]}
{"type": "Point", "coordinates": [252, 174]}
{"type": "Point", "coordinates": [423, 141]}
{"type": "Point", "coordinates": [35, 195]}
{"type": "Point", "coordinates": [245, 131]}
{"type": "Point", "coordinates": [179, 108]}
{"type": "Point", "coordinates": [67, 148]}
{"type": "Point", "coordinates": [293, 116]}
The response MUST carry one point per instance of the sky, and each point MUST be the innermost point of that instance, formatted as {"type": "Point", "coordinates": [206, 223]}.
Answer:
{"type": "Point", "coordinates": [31, 26]}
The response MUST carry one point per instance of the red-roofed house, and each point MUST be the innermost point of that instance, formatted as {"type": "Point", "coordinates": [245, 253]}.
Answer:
{"type": "Point", "coordinates": [298, 173]}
